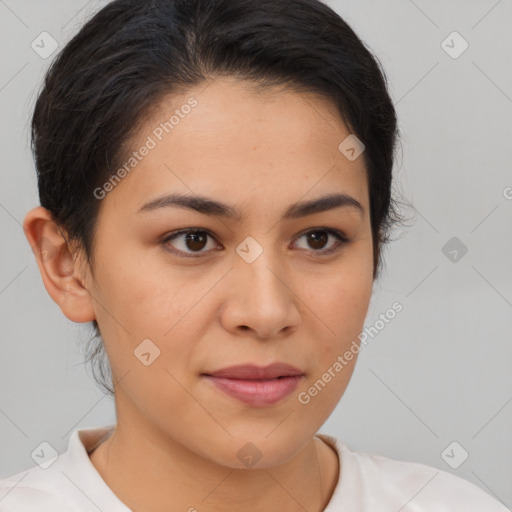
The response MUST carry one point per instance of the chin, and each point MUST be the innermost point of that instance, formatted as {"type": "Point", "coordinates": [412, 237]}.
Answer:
{"type": "Point", "coordinates": [261, 452]}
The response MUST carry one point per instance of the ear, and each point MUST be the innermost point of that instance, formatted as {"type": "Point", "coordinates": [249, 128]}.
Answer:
{"type": "Point", "coordinates": [59, 267]}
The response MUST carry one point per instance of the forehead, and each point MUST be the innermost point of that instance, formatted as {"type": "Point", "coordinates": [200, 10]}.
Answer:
{"type": "Point", "coordinates": [229, 139]}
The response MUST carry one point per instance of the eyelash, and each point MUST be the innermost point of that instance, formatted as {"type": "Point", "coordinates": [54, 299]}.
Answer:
{"type": "Point", "coordinates": [341, 240]}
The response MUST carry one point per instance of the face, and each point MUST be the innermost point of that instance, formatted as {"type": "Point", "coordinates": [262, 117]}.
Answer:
{"type": "Point", "coordinates": [265, 277]}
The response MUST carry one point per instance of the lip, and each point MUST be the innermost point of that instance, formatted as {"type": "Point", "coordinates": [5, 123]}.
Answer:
{"type": "Point", "coordinates": [257, 385]}
{"type": "Point", "coordinates": [253, 372]}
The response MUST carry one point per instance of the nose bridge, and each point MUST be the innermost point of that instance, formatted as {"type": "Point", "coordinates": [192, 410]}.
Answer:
{"type": "Point", "coordinates": [262, 299]}
{"type": "Point", "coordinates": [259, 268]}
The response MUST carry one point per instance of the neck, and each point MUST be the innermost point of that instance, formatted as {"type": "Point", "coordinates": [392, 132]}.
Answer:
{"type": "Point", "coordinates": [148, 476]}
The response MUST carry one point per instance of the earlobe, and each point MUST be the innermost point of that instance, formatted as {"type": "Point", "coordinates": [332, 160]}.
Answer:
{"type": "Point", "coordinates": [58, 267]}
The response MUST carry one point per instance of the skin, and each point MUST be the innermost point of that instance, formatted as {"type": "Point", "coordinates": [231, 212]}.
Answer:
{"type": "Point", "coordinates": [177, 436]}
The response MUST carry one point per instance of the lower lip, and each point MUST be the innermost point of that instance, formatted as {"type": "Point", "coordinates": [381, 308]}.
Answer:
{"type": "Point", "coordinates": [257, 392]}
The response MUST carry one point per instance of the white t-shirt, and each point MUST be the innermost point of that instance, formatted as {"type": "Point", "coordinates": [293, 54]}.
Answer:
{"type": "Point", "coordinates": [367, 483]}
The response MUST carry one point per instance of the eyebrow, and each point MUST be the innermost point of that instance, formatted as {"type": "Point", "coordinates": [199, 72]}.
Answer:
{"type": "Point", "coordinates": [209, 206]}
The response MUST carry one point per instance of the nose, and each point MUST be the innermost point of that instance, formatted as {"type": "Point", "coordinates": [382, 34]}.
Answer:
{"type": "Point", "coordinates": [260, 300]}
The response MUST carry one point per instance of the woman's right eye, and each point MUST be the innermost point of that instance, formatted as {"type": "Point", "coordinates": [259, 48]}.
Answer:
{"type": "Point", "coordinates": [193, 240]}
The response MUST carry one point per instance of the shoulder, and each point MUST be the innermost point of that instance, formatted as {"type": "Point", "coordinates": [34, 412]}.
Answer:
{"type": "Point", "coordinates": [400, 484]}
{"type": "Point", "coordinates": [66, 483]}
{"type": "Point", "coordinates": [427, 487]}
{"type": "Point", "coordinates": [22, 498]}
{"type": "Point", "coordinates": [35, 490]}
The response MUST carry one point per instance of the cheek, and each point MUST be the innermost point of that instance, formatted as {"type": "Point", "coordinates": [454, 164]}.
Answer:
{"type": "Point", "coordinates": [343, 319]}
{"type": "Point", "coordinates": [164, 306]}
{"type": "Point", "coordinates": [341, 308]}
{"type": "Point", "coordinates": [143, 297]}
{"type": "Point", "coordinates": [340, 300]}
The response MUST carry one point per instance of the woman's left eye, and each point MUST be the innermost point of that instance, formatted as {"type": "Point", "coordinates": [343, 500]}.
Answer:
{"type": "Point", "coordinates": [195, 240]}
{"type": "Point", "coordinates": [319, 237]}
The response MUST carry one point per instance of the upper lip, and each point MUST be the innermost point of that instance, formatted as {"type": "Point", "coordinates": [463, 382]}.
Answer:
{"type": "Point", "coordinates": [252, 372]}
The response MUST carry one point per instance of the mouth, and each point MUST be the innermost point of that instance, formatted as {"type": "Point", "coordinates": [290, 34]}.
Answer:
{"type": "Point", "coordinates": [257, 386]}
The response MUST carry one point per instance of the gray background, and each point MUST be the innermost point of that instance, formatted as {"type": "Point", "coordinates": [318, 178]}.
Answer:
{"type": "Point", "coordinates": [440, 371]}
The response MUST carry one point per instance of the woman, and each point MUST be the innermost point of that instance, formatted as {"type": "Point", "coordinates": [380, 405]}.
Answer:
{"type": "Point", "coordinates": [215, 186]}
